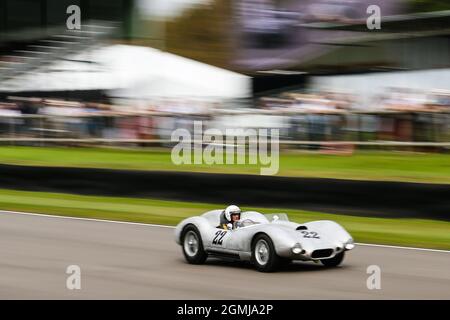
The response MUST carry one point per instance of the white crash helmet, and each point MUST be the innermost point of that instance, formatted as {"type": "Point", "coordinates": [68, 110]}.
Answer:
{"type": "Point", "coordinates": [231, 210]}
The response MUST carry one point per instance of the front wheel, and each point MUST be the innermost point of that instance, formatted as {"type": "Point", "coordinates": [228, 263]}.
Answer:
{"type": "Point", "coordinates": [192, 246]}
{"type": "Point", "coordinates": [264, 256]}
{"type": "Point", "coordinates": [335, 261]}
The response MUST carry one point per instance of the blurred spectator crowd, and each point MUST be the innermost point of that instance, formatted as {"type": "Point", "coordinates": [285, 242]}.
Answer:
{"type": "Point", "coordinates": [399, 115]}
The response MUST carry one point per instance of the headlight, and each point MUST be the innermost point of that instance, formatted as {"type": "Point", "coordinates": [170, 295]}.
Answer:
{"type": "Point", "coordinates": [349, 245]}
{"type": "Point", "coordinates": [297, 249]}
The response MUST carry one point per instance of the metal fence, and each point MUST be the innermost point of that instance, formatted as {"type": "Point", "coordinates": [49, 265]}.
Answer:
{"type": "Point", "coordinates": [297, 130]}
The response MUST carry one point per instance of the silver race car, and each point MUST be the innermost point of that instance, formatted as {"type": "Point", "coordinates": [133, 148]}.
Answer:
{"type": "Point", "coordinates": [268, 241]}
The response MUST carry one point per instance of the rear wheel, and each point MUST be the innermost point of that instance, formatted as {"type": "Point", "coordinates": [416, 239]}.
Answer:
{"type": "Point", "coordinates": [192, 246]}
{"type": "Point", "coordinates": [335, 261]}
{"type": "Point", "coordinates": [264, 256]}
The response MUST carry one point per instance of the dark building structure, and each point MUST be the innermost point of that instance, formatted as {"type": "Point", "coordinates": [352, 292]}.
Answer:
{"type": "Point", "coordinates": [27, 19]}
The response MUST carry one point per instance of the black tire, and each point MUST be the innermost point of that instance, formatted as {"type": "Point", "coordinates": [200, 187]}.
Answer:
{"type": "Point", "coordinates": [335, 261]}
{"type": "Point", "coordinates": [197, 256]}
{"type": "Point", "coordinates": [272, 262]}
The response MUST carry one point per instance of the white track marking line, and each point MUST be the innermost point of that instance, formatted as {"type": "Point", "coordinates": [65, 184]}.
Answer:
{"type": "Point", "coordinates": [84, 219]}
{"type": "Point", "coordinates": [400, 247]}
{"type": "Point", "coordinates": [172, 227]}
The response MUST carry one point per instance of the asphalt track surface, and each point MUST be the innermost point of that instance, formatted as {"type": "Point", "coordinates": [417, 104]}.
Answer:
{"type": "Point", "coordinates": [135, 261]}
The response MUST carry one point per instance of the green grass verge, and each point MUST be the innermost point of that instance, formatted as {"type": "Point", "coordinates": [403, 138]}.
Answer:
{"type": "Point", "coordinates": [388, 166]}
{"type": "Point", "coordinates": [407, 232]}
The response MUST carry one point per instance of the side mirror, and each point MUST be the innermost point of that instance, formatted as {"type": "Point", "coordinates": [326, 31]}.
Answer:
{"type": "Point", "coordinates": [230, 226]}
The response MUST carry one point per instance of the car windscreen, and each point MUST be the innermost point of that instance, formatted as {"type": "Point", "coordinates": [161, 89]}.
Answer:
{"type": "Point", "coordinates": [246, 223]}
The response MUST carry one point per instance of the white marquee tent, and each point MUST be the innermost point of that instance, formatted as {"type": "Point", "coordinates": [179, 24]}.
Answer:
{"type": "Point", "coordinates": [134, 72]}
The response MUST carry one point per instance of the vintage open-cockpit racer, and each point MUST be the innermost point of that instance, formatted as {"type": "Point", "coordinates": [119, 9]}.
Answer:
{"type": "Point", "coordinates": [268, 241]}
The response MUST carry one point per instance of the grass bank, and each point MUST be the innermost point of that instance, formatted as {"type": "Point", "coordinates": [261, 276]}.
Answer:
{"type": "Point", "coordinates": [386, 166]}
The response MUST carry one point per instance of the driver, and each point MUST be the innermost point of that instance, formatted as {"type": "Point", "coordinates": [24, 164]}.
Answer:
{"type": "Point", "coordinates": [230, 215]}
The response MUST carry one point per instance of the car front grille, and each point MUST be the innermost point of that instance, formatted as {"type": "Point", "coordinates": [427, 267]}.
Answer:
{"type": "Point", "coordinates": [322, 253]}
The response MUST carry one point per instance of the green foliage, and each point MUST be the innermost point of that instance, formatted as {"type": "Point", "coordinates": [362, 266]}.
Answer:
{"type": "Point", "coordinates": [428, 5]}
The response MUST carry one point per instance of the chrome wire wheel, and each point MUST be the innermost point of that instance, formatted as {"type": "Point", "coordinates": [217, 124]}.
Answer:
{"type": "Point", "coordinates": [191, 243]}
{"type": "Point", "coordinates": [262, 254]}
